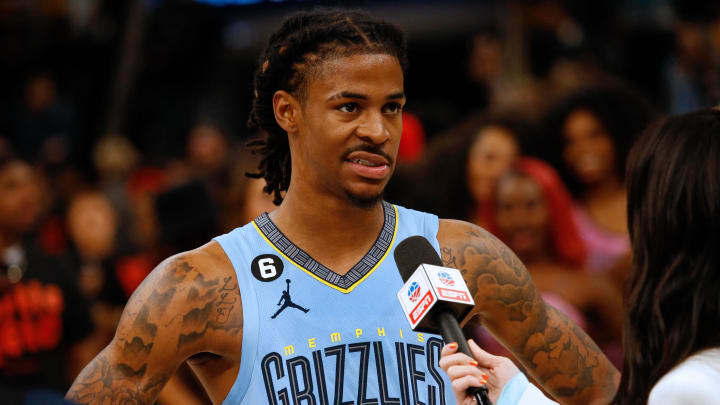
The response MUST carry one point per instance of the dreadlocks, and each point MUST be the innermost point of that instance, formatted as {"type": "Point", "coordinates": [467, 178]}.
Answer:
{"type": "Point", "coordinates": [292, 58]}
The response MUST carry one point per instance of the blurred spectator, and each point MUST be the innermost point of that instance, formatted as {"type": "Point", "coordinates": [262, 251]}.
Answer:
{"type": "Point", "coordinates": [43, 127]}
{"type": "Point", "coordinates": [491, 154]}
{"type": "Point", "coordinates": [92, 224]}
{"type": "Point", "coordinates": [534, 218]}
{"type": "Point", "coordinates": [497, 71]}
{"type": "Point", "coordinates": [466, 164]}
{"type": "Point", "coordinates": [692, 73]}
{"type": "Point", "coordinates": [45, 328]}
{"type": "Point", "coordinates": [115, 158]}
{"type": "Point", "coordinates": [533, 215]}
{"type": "Point", "coordinates": [207, 151]}
{"type": "Point", "coordinates": [589, 134]}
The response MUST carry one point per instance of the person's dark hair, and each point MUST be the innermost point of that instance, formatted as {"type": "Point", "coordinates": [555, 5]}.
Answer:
{"type": "Point", "coordinates": [446, 161]}
{"type": "Point", "coordinates": [289, 61]}
{"type": "Point", "coordinates": [622, 112]}
{"type": "Point", "coordinates": [673, 179]}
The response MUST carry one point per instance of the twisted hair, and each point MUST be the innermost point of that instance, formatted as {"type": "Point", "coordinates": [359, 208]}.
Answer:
{"type": "Point", "coordinates": [292, 58]}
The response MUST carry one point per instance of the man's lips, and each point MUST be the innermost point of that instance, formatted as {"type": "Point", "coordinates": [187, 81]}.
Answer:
{"type": "Point", "coordinates": [368, 165]}
{"type": "Point", "coordinates": [367, 158]}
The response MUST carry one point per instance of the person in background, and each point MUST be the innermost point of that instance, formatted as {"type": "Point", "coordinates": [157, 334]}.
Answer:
{"type": "Point", "coordinates": [473, 156]}
{"type": "Point", "coordinates": [492, 151]}
{"type": "Point", "coordinates": [44, 126]}
{"type": "Point", "coordinates": [692, 72]}
{"type": "Point", "coordinates": [92, 224]}
{"type": "Point", "coordinates": [45, 328]}
{"type": "Point", "coordinates": [533, 216]}
{"type": "Point", "coordinates": [671, 338]}
{"type": "Point", "coordinates": [115, 158]}
{"type": "Point", "coordinates": [590, 133]}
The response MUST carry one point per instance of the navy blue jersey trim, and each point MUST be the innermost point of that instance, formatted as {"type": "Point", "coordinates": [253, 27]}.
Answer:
{"type": "Point", "coordinates": [356, 273]}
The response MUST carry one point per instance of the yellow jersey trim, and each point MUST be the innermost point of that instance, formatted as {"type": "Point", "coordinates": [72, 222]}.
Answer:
{"type": "Point", "coordinates": [310, 273]}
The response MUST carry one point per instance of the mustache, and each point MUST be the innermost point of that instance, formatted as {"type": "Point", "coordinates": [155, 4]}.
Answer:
{"type": "Point", "coordinates": [369, 149]}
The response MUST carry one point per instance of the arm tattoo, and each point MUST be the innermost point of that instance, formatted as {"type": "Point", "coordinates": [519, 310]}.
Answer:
{"type": "Point", "coordinates": [104, 383]}
{"type": "Point", "coordinates": [129, 375]}
{"type": "Point", "coordinates": [216, 313]}
{"type": "Point", "coordinates": [553, 349]}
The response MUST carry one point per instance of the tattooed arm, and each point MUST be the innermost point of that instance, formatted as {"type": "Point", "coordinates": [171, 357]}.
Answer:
{"type": "Point", "coordinates": [189, 304]}
{"type": "Point", "coordinates": [552, 348]}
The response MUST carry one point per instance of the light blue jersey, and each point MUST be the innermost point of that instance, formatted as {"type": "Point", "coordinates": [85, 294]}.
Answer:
{"type": "Point", "coordinates": [313, 337]}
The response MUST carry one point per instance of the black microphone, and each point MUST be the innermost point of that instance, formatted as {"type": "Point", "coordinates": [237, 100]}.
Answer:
{"type": "Point", "coordinates": [440, 308]}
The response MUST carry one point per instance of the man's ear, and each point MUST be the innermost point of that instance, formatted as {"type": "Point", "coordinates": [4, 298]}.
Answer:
{"type": "Point", "coordinates": [287, 111]}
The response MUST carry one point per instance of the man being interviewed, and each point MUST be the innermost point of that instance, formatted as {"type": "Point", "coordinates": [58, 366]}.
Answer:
{"type": "Point", "coordinates": [329, 93]}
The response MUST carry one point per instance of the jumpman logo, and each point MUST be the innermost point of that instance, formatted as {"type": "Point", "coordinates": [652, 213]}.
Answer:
{"type": "Point", "coordinates": [286, 301]}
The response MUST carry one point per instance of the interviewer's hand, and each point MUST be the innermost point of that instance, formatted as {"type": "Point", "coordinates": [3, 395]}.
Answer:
{"type": "Point", "coordinates": [488, 370]}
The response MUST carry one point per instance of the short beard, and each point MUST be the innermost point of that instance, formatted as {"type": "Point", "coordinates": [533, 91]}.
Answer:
{"type": "Point", "coordinates": [365, 203]}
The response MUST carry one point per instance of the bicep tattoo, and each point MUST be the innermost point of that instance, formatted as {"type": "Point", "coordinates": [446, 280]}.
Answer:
{"type": "Point", "coordinates": [151, 342]}
{"type": "Point", "coordinates": [102, 382]}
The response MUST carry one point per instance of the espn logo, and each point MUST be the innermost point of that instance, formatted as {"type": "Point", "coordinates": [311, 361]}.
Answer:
{"type": "Point", "coordinates": [453, 294]}
{"type": "Point", "coordinates": [422, 307]}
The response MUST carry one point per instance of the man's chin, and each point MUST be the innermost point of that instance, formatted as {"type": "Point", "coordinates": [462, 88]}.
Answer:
{"type": "Point", "coordinates": [365, 201]}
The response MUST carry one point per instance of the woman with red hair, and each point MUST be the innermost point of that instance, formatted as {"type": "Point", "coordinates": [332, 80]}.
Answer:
{"type": "Point", "coordinates": [533, 206]}
{"type": "Point", "coordinates": [533, 216]}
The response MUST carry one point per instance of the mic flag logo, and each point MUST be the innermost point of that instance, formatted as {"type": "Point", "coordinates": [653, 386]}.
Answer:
{"type": "Point", "coordinates": [429, 285]}
{"type": "Point", "coordinates": [446, 278]}
{"type": "Point", "coordinates": [414, 291]}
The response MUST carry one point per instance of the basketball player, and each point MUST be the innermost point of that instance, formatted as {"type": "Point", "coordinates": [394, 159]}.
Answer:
{"type": "Point", "coordinates": [329, 93]}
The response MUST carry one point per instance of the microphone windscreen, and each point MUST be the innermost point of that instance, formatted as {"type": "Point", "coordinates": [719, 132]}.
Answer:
{"type": "Point", "coordinates": [412, 252]}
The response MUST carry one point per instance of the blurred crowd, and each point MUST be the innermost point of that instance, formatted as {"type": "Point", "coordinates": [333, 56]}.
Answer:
{"type": "Point", "coordinates": [532, 148]}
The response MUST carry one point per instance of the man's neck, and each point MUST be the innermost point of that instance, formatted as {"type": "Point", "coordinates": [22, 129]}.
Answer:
{"type": "Point", "coordinates": [331, 229]}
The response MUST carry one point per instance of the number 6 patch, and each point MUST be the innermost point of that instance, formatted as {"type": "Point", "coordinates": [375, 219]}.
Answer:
{"type": "Point", "coordinates": [266, 267]}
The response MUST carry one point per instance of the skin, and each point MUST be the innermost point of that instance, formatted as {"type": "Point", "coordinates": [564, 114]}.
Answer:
{"type": "Point", "coordinates": [589, 151]}
{"type": "Point", "coordinates": [92, 224]}
{"type": "Point", "coordinates": [190, 307]}
{"type": "Point", "coordinates": [483, 369]}
{"type": "Point", "coordinates": [590, 154]}
{"type": "Point", "coordinates": [522, 217]}
{"type": "Point", "coordinates": [490, 156]}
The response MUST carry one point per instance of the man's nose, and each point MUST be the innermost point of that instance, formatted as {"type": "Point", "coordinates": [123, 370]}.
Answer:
{"type": "Point", "coordinates": [372, 129]}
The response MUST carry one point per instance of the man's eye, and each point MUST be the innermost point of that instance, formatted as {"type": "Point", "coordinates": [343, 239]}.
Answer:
{"type": "Point", "coordinates": [393, 108]}
{"type": "Point", "coordinates": [348, 108]}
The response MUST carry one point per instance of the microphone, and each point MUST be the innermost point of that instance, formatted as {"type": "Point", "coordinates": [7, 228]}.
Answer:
{"type": "Point", "coordinates": [434, 297]}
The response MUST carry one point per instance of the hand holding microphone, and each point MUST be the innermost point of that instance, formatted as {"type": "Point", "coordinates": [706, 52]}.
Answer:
{"type": "Point", "coordinates": [434, 297]}
{"type": "Point", "coordinates": [494, 372]}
